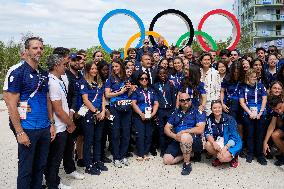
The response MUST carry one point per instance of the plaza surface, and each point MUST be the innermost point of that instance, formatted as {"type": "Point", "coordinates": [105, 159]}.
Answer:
{"type": "Point", "coordinates": [150, 174]}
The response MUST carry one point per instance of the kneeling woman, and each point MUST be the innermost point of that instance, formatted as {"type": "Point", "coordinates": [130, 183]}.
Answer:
{"type": "Point", "coordinates": [222, 136]}
{"type": "Point", "coordinates": [145, 105]}
{"type": "Point", "coordinates": [92, 91]}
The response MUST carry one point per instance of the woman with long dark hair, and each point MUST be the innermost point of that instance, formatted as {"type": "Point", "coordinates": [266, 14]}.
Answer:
{"type": "Point", "coordinates": [230, 95]}
{"type": "Point", "coordinates": [118, 90]}
{"type": "Point", "coordinates": [258, 66]}
{"type": "Point", "coordinates": [145, 105]}
{"type": "Point", "coordinates": [177, 76]}
{"type": "Point", "coordinates": [194, 87]}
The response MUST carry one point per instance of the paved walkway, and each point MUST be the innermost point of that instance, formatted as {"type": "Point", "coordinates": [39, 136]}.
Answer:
{"type": "Point", "coordinates": [151, 174]}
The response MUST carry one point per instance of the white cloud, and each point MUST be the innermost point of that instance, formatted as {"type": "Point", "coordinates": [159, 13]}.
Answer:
{"type": "Point", "coordinates": [73, 23]}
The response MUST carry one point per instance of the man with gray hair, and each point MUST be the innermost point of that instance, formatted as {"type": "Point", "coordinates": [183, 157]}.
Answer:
{"type": "Point", "coordinates": [58, 89]}
{"type": "Point", "coordinates": [188, 52]}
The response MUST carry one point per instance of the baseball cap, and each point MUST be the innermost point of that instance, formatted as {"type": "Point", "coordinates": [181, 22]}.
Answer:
{"type": "Point", "coordinates": [74, 56]}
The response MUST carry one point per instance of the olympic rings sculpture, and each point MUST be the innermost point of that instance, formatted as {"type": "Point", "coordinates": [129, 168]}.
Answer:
{"type": "Point", "coordinates": [189, 35]}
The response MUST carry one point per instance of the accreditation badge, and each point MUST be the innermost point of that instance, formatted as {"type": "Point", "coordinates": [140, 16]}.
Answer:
{"type": "Point", "coordinates": [148, 112]}
{"type": "Point", "coordinates": [23, 109]}
{"type": "Point", "coordinates": [253, 111]}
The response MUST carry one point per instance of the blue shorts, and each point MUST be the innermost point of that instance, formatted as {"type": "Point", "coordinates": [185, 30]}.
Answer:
{"type": "Point", "coordinates": [174, 146]}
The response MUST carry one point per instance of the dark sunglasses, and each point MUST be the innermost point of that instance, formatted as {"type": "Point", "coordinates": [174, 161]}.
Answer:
{"type": "Point", "coordinates": [185, 100]}
{"type": "Point", "coordinates": [143, 78]}
{"type": "Point", "coordinates": [146, 43]}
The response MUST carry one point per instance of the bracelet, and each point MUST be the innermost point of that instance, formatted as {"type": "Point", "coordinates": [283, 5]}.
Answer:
{"type": "Point", "coordinates": [20, 133]}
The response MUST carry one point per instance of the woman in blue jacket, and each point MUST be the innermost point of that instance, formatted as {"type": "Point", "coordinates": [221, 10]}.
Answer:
{"type": "Point", "coordinates": [223, 139]}
{"type": "Point", "coordinates": [118, 90]}
{"type": "Point", "coordinates": [253, 99]}
{"type": "Point", "coordinates": [93, 113]}
{"type": "Point", "coordinates": [166, 94]}
{"type": "Point", "coordinates": [145, 104]}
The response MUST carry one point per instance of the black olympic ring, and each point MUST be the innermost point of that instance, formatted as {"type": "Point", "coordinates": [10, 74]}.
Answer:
{"type": "Point", "coordinates": [183, 16]}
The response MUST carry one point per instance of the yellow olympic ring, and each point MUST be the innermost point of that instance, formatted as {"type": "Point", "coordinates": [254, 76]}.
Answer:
{"type": "Point", "coordinates": [135, 36]}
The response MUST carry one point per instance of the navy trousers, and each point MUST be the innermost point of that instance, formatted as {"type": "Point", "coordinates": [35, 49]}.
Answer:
{"type": "Point", "coordinates": [32, 159]}
{"type": "Point", "coordinates": [120, 133]}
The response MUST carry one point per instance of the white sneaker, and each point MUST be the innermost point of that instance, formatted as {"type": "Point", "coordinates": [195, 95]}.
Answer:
{"type": "Point", "coordinates": [125, 162]}
{"type": "Point", "coordinates": [117, 164]}
{"type": "Point", "coordinates": [76, 175]}
{"type": "Point", "coordinates": [62, 186]}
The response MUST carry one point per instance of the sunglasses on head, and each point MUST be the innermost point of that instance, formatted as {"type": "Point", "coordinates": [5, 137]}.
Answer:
{"type": "Point", "coordinates": [185, 100]}
{"type": "Point", "coordinates": [143, 78]}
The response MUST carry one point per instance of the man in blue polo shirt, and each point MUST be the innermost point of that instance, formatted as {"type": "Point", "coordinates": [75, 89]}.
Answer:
{"type": "Point", "coordinates": [185, 126]}
{"type": "Point", "coordinates": [28, 105]}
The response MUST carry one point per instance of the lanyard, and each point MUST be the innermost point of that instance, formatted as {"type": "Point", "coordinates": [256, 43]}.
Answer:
{"type": "Point", "coordinates": [40, 81]}
{"type": "Point", "coordinates": [255, 94]}
{"type": "Point", "coordinates": [93, 85]}
{"type": "Point", "coordinates": [162, 89]}
{"type": "Point", "coordinates": [147, 97]}
{"type": "Point", "coordinates": [220, 129]}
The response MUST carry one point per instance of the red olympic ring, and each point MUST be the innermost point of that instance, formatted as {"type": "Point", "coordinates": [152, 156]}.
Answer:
{"type": "Point", "coordinates": [231, 18]}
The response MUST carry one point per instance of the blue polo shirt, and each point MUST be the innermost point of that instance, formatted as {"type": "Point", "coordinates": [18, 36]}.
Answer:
{"type": "Point", "coordinates": [189, 119]}
{"type": "Point", "coordinates": [25, 80]}
{"type": "Point", "coordinates": [166, 94]}
{"type": "Point", "coordinates": [231, 90]}
{"type": "Point", "coordinates": [177, 78]}
{"type": "Point", "coordinates": [116, 85]}
{"type": "Point", "coordinates": [144, 98]}
{"type": "Point", "coordinates": [253, 95]}
{"type": "Point", "coordinates": [94, 91]}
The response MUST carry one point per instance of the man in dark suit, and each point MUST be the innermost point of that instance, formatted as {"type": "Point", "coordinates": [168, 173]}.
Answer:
{"type": "Point", "coordinates": [146, 67]}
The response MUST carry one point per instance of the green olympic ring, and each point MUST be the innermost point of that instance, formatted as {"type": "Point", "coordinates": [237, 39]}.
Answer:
{"type": "Point", "coordinates": [203, 34]}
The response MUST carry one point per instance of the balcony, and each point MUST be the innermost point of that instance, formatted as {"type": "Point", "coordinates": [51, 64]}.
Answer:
{"type": "Point", "coordinates": [269, 2]}
{"type": "Point", "coordinates": [269, 17]}
{"type": "Point", "coordinates": [268, 34]}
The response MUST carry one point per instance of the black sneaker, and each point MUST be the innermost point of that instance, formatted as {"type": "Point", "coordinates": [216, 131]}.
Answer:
{"type": "Point", "coordinates": [92, 170]}
{"type": "Point", "coordinates": [154, 153]}
{"type": "Point", "coordinates": [100, 165]}
{"type": "Point", "coordinates": [242, 154]}
{"type": "Point", "coordinates": [261, 160]}
{"type": "Point", "coordinates": [129, 154]}
{"type": "Point", "coordinates": [186, 169]}
{"type": "Point", "coordinates": [106, 159]}
{"type": "Point", "coordinates": [249, 158]}
{"type": "Point", "coordinates": [196, 157]}
{"type": "Point", "coordinates": [279, 162]}
{"type": "Point", "coordinates": [80, 163]}
{"type": "Point", "coordinates": [269, 156]}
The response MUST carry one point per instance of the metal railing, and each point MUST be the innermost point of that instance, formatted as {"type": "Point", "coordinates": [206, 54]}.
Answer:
{"type": "Point", "coordinates": [268, 2]}
{"type": "Point", "coordinates": [269, 33]}
{"type": "Point", "coordinates": [269, 17]}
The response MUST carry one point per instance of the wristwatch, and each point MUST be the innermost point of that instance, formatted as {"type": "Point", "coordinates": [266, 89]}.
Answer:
{"type": "Point", "coordinates": [52, 122]}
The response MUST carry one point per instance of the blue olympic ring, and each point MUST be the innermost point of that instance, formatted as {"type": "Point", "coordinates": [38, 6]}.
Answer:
{"type": "Point", "coordinates": [120, 11]}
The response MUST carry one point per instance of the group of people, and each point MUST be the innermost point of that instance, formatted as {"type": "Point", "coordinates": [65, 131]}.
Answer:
{"type": "Point", "coordinates": [158, 98]}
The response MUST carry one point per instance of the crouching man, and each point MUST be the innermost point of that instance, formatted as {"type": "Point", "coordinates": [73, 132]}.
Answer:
{"type": "Point", "coordinates": [185, 127]}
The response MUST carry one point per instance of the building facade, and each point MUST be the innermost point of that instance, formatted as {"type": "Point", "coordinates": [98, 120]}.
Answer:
{"type": "Point", "coordinates": [263, 20]}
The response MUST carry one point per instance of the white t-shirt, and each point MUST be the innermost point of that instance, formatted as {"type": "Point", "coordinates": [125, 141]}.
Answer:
{"type": "Point", "coordinates": [58, 90]}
